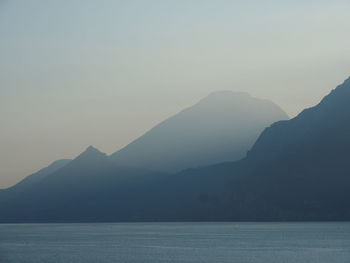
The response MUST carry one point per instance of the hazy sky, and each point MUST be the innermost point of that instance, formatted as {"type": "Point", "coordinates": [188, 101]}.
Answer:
{"type": "Point", "coordinates": [75, 73]}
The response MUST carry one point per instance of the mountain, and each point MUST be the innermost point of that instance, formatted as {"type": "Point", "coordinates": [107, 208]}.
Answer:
{"type": "Point", "coordinates": [305, 161]}
{"type": "Point", "coordinates": [33, 179]}
{"type": "Point", "coordinates": [221, 127]}
{"type": "Point", "coordinates": [88, 188]}
{"type": "Point", "coordinates": [298, 170]}
{"type": "Point", "coordinates": [318, 132]}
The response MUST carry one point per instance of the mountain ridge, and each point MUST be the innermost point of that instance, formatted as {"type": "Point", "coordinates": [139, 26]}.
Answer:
{"type": "Point", "coordinates": [297, 171]}
{"type": "Point", "coordinates": [220, 127]}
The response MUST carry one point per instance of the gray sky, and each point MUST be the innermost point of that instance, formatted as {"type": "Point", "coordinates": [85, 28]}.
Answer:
{"type": "Point", "coordinates": [75, 73]}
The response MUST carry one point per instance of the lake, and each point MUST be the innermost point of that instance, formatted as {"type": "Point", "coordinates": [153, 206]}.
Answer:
{"type": "Point", "coordinates": [175, 242]}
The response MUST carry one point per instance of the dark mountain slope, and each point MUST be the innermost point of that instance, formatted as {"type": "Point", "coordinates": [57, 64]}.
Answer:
{"type": "Point", "coordinates": [305, 161]}
{"type": "Point", "coordinates": [33, 179]}
{"type": "Point", "coordinates": [89, 188]}
{"type": "Point", "coordinates": [318, 132]}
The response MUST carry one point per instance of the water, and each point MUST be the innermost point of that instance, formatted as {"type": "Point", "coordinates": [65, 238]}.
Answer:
{"type": "Point", "coordinates": [176, 242]}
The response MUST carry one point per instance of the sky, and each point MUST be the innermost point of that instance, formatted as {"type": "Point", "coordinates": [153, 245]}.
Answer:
{"type": "Point", "coordinates": [75, 73]}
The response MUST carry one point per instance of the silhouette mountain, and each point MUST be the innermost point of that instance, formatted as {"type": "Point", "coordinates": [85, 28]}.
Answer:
{"type": "Point", "coordinates": [88, 158]}
{"type": "Point", "coordinates": [297, 170]}
{"type": "Point", "coordinates": [33, 179]}
{"type": "Point", "coordinates": [82, 190]}
{"type": "Point", "coordinates": [315, 127]}
{"type": "Point", "coordinates": [221, 127]}
{"type": "Point", "coordinates": [90, 154]}
{"type": "Point", "coordinates": [304, 161]}
{"type": "Point", "coordinates": [90, 162]}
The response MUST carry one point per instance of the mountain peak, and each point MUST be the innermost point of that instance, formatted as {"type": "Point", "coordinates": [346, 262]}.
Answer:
{"type": "Point", "coordinates": [91, 152]}
{"type": "Point", "coordinates": [90, 157]}
{"type": "Point", "coordinates": [236, 99]}
{"type": "Point", "coordinates": [92, 149]}
{"type": "Point", "coordinates": [221, 127]}
{"type": "Point", "coordinates": [226, 95]}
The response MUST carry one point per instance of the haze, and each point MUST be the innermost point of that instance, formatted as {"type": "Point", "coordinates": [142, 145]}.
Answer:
{"type": "Point", "coordinates": [76, 73]}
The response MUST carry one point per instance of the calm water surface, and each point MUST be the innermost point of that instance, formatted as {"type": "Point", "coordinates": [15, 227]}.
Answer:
{"type": "Point", "coordinates": [176, 242]}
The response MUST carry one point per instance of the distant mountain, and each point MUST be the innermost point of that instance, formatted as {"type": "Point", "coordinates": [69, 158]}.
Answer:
{"type": "Point", "coordinates": [33, 179]}
{"type": "Point", "coordinates": [82, 190]}
{"type": "Point", "coordinates": [221, 127]}
{"type": "Point", "coordinates": [84, 161]}
{"type": "Point", "coordinates": [297, 170]}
